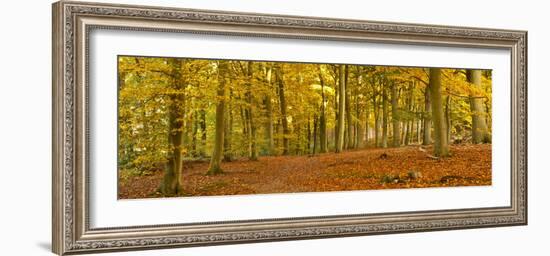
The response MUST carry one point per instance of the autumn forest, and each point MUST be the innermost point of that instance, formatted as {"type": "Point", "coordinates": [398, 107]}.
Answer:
{"type": "Point", "coordinates": [199, 127]}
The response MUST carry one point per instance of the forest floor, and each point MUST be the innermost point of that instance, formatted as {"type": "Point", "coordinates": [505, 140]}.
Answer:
{"type": "Point", "coordinates": [365, 169]}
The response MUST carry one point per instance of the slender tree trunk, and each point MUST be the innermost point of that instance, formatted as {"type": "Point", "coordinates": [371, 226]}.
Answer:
{"type": "Point", "coordinates": [228, 132]}
{"type": "Point", "coordinates": [244, 123]}
{"type": "Point", "coordinates": [376, 124]}
{"type": "Point", "coordinates": [322, 118]}
{"type": "Point", "coordinates": [418, 128]}
{"type": "Point", "coordinates": [171, 182]}
{"type": "Point", "coordinates": [217, 153]}
{"type": "Point", "coordinates": [405, 133]}
{"type": "Point", "coordinates": [441, 146]}
{"type": "Point", "coordinates": [408, 123]}
{"type": "Point", "coordinates": [187, 124]}
{"type": "Point", "coordinates": [384, 118]}
{"type": "Point", "coordinates": [349, 118]}
{"type": "Point", "coordinates": [195, 131]}
{"type": "Point", "coordinates": [480, 132]}
{"type": "Point", "coordinates": [341, 110]}
{"type": "Point", "coordinates": [408, 134]}
{"type": "Point", "coordinates": [297, 142]}
{"type": "Point", "coordinates": [336, 107]}
{"type": "Point", "coordinates": [427, 118]}
{"type": "Point", "coordinates": [366, 125]}
{"type": "Point", "coordinates": [448, 118]}
{"type": "Point", "coordinates": [203, 132]}
{"type": "Point", "coordinates": [315, 134]}
{"type": "Point", "coordinates": [358, 124]}
{"type": "Point", "coordinates": [308, 147]}
{"type": "Point", "coordinates": [395, 116]}
{"type": "Point", "coordinates": [279, 139]}
{"type": "Point", "coordinates": [251, 124]}
{"type": "Point", "coordinates": [269, 112]}
{"type": "Point", "coordinates": [282, 103]}
{"type": "Point", "coordinates": [248, 131]}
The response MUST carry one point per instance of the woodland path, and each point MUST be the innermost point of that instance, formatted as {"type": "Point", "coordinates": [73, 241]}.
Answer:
{"type": "Point", "coordinates": [470, 165]}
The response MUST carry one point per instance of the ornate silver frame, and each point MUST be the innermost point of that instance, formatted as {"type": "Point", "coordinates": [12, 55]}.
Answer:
{"type": "Point", "coordinates": [72, 21]}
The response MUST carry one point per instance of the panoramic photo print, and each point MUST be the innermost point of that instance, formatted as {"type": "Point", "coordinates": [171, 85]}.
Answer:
{"type": "Point", "coordinates": [211, 127]}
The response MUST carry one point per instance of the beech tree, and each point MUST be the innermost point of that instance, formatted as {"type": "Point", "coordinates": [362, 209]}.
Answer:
{"type": "Point", "coordinates": [217, 151]}
{"type": "Point", "coordinates": [171, 183]}
{"type": "Point", "coordinates": [480, 132]}
{"type": "Point", "coordinates": [441, 145]}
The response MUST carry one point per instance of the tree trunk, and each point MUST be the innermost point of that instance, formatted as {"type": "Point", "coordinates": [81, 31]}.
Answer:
{"type": "Point", "coordinates": [336, 110]}
{"type": "Point", "coordinates": [358, 123]}
{"type": "Point", "coordinates": [308, 147]}
{"type": "Point", "coordinates": [441, 146]}
{"type": "Point", "coordinates": [427, 118]}
{"type": "Point", "coordinates": [203, 132]}
{"type": "Point", "coordinates": [384, 118]}
{"type": "Point", "coordinates": [269, 112]}
{"type": "Point", "coordinates": [171, 182]}
{"type": "Point", "coordinates": [341, 110]}
{"type": "Point", "coordinates": [297, 142]}
{"type": "Point", "coordinates": [395, 116]}
{"type": "Point", "coordinates": [322, 118]}
{"type": "Point", "coordinates": [187, 125]}
{"type": "Point", "coordinates": [282, 103]}
{"type": "Point", "coordinates": [251, 124]}
{"type": "Point", "coordinates": [448, 120]}
{"type": "Point", "coordinates": [366, 125]}
{"type": "Point", "coordinates": [195, 121]}
{"type": "Point", "coordinates": [217, 152]}
{"type": "Point", "coordinates": [349, 118]}
{"type": "Point", "coordinates": [418, 128]}
{"type": "Point", "coordinates": [315, 135]}
{"type": "Point", "coordinates": [228, 132]}
{"type": "Point", "coordinates": [409, 122]}
{"type": "Point", "coordinates": [480, 132]}
{"type": "Point", "coordinates": [376, 124]}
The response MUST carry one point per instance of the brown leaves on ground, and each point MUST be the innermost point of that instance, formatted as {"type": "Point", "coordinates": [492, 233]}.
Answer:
{"type": "Point", "coordinates": [405, 167]}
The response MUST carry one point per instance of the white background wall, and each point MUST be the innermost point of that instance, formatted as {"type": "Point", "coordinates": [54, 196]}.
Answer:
{"type": "Point", "coordinates": [25, 140]}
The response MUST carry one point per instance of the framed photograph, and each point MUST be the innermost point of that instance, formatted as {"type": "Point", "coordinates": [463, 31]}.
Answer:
{"type": "Point", "coordinates": [178, 127]}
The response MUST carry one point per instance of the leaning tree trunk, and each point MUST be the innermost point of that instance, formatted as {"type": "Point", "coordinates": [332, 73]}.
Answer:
{"type": "Point", "coordinates": [341, 110]}
{"type": "Point", "coordinates": [480, 132]}
{"type": "Point", "coordinates": [441, 146]}
{"type": "Point", "coordinates": [395, 116]}
{"type": "Point", "coordinates": [220, 120]}
{"type": "Point", "coordinates": [171, 183]}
